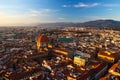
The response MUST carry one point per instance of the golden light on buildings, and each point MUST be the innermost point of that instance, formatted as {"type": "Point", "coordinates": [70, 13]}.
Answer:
{"type": "Point", "coordinates": [113, 71]}
{"type": "Point", "coordinates": [79, 61]}
{"type": "Point", "coordinates": [61, 51]}
{"type": "Point", "coordinates": [46, 49]}
{"type": "Point", "coordinates": [107, 52]}
{"type": "Point", "coordinates": [70, 78]}
{"type": "Point", "coordinates": [50, 46]}
{"type": "Point", "coordinates": [70, 66]}
{"type": "Point", "coordinates": [42, 42]}
{"type": "Point", "coordinates": [95, 66]}
{"type": "Point", "coordinates": [106, 55]}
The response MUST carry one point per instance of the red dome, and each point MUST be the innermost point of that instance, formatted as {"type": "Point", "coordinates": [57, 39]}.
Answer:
{"type": "Point", "coordinates": [43, 38]}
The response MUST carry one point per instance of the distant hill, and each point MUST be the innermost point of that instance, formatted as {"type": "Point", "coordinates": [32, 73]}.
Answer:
{"type": "Point", "coordinates": [103, 24]}
{"type": "Point", "coordinates": [95, 24]}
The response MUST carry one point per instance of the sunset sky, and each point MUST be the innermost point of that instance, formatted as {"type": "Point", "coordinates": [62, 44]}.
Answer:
{"type": "Point", "coordinates": [27, 12]}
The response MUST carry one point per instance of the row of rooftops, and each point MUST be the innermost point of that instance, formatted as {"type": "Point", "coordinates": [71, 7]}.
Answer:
{"type": "Point", "coordinates": [87, 41]}
{"type": "Point", "coordinates": [113, 72]}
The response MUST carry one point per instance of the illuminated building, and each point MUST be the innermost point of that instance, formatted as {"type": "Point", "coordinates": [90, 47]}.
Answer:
{"type": "Point", "coordinates": [71, 78]}
{"type": "Point", "coordinates": [61, 51]}
{"type": "Point", "coordinates": [50, 46]}
{"type": "Point", "coordinates": [42, 42]}
{"type": "Point", "coordinates": [115, 69]}
{"type": "Point", "coordinates": [113, 72]}
{"type": "Point", "coordinates": [107, 56]}
{"type": "Point", "coordinates": [109, 77]}
{"type": "Point", "coordinates": [79, 61]}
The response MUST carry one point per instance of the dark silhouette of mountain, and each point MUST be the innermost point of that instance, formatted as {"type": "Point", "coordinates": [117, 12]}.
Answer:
{"type": "Point", "coordinates": [108, 24]}
{"type": "Point", "coordinates": [102, 24]}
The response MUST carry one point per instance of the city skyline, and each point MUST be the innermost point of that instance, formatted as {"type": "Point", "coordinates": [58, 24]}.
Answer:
{"type": "Point", "coordinates": [27, 12]}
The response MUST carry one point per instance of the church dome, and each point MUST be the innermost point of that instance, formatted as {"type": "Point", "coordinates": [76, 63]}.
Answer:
{"type": "Point", "coordinates": [43, 38]}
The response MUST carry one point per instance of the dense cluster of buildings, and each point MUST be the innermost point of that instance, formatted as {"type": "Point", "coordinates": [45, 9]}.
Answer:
{"type": "Point", "coordinates": [66, 54]}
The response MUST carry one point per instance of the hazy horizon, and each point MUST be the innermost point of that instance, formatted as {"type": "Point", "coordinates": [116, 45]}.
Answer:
{"type": "Point", "coordinates": [30, 12]}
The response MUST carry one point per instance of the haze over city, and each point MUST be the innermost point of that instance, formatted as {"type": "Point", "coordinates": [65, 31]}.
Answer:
{"type": "Point", "coordinates": [27, 12]}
